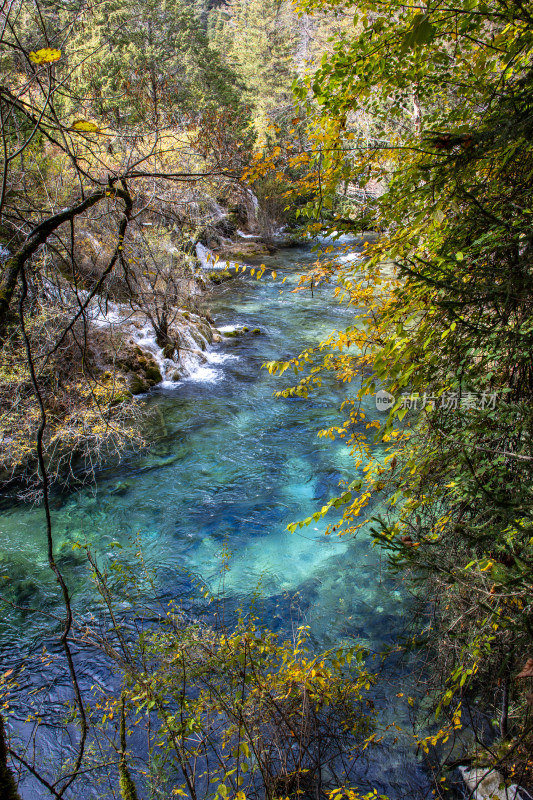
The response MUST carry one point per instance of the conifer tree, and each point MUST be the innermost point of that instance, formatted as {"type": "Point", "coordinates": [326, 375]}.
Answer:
{"type": "Point", "coordinates": [149, 61]}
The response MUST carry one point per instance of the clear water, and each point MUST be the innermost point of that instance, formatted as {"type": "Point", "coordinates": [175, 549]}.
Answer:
{"type": "Point", "coordinates": [229, 467]}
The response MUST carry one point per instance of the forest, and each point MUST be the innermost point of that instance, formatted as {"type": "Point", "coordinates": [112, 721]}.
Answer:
{"type": "Point", "coordinates": [266, 381]}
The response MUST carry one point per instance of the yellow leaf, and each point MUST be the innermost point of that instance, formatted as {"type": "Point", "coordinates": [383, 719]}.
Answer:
{"type": "Point", "coordinates": [47, 55]}
{"type": "Point", "coordinates": [86, 126]}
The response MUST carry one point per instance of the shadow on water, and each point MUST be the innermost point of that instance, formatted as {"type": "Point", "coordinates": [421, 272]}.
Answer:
{"type": "Point", "coordinates": [229, 467]}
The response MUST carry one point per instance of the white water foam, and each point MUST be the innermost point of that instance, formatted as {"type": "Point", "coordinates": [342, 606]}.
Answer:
{"type": "Point", "coordinates": [206, 257]}
{"type": "Point", "coordinates": [254, 201]}
{"type": "Point", "coordinates": [350, 258]}
{"type": "Point", "coordinates": [191, 360]}
{"type": "Point", "coordinates": [110, 315]}
{"type": "Point", "coordinates": [209, 260]}
{"type": "Point", "coordinates": [203, 372]}
{"type": "Point", "coordinates": [334, 237]}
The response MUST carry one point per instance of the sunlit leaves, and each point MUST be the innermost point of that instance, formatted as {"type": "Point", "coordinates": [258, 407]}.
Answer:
{"type": "Point", "coordinates": [239, 689]}
{"type": "Point", "coordinates": [47, 55]}
{"type": "Point", "coordinates": [448, 93]}
{"type": "Point", "coordinates": [85, 126]}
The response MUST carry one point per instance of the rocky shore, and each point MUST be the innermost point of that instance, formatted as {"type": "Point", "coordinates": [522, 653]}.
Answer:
{"type": "Point", "coordinates": [123, 344]}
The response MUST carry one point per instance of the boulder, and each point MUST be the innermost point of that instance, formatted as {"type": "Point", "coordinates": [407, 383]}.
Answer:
{"type": "Point", "coordinates": [242, 250]}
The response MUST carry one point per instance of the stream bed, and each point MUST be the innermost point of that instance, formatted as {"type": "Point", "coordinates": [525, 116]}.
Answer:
{"type": "Point", "coordinates": [229, 466]}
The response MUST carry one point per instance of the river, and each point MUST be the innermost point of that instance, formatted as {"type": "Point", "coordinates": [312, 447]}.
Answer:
{"type": "Point", "coordinates": [228, 467]}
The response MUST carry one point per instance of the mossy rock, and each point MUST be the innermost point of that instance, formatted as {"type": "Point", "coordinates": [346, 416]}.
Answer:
{"type": "Point", "coordinates": [241, 332]}
{"type": "Point", "coordinates": [138, 385]}
{"type": "Point", "coordinates": [133, 363]}
{"type": "Point", "coordinates": [220, 276]}
{"type": "Point", "coordinates": [122, 397]}
{"type": "Point", "coordinates": [291, 240]}
{"type": "Point", "coordinates": [243, 250]}
{"type": "Point", "coordinates": [153, 373]}
{"type": "Point", "coordinates": [196, 334]}
{"type": "Point", "coordinates": [238, 212]}
{"type": "Point", "coordinates": [206, 331]}
{"type": "Point", "coordinates": [168, 350]}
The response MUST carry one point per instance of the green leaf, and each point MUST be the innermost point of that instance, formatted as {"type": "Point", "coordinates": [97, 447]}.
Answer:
{"type": "Point", "coordinates": [424, 32]}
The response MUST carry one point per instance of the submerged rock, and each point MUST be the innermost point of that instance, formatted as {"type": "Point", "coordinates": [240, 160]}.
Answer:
{"type": "Point", "coordinates": [220, 276]}
{"type": "Point", "coordinates": [486, 784]}
{"type": "Point", "coordinates": [231, 334]}
{"type": "Point", "coordinates": [121, 488]}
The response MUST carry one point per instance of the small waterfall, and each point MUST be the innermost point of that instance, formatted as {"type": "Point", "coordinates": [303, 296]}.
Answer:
{"type": "Point", "coordinates": [209, 261]}
{"type": "Point", "coordinates": [253, 206]}
{"type": "Point", "coordinates": [247, 235]}
{"type": "Point", "coordinates": [206, 257]}
{"type": "Point", "coordinates": [219, 212]}
{"type": "Point", "coordinates": [190, 355]}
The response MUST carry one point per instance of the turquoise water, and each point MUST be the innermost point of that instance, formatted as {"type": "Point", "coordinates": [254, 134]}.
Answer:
{"type": "Point", "coordinates": [228, 468]}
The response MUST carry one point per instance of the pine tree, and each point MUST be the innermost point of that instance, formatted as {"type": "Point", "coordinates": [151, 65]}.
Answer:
{"type": "Point", "coordinates": [148, 61]}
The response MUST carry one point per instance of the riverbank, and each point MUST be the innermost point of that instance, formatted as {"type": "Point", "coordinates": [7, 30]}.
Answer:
{"type": "Point", "coordinates": [99, 340]}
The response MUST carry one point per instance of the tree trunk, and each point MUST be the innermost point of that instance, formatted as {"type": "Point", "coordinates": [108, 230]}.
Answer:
{"type": "Point", "coordinates": [8, 786]}
{"type": "Point", "coordinates": [37, 237]}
